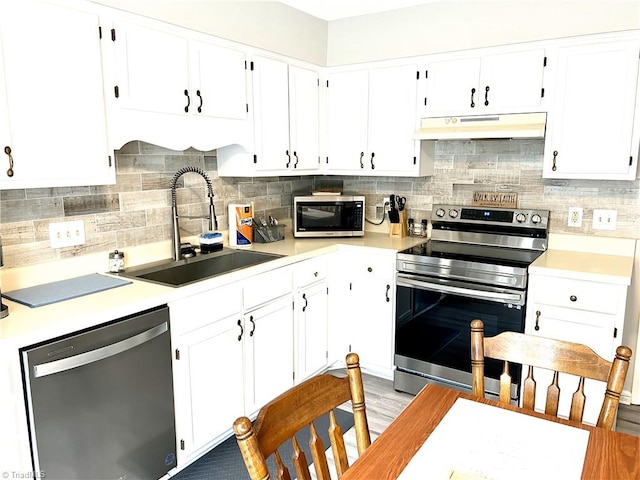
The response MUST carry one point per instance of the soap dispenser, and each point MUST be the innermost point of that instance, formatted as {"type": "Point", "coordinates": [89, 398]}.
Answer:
{"type": "Point", "coordinates": [4, 310]}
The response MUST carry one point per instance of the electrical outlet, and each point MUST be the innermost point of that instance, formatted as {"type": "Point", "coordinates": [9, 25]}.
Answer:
{"type": "Point", "coordinates": [66, 234]}
{"type": "Point", "coordinates": [575, 217]}
{"type": "Point", "coordinates": [604, 219]}
{"type": "Point", "coordinates": [386, 204]}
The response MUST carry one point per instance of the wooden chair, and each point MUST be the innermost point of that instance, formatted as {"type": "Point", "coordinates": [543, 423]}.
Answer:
{"type": "Point", "coordinates": [556, 355]}
{"type": "Point", "coordinates": [281, 418]}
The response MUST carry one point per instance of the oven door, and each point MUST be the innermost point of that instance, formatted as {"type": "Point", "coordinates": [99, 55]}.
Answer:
{"type": "Point", "coordinates": [433, 333]}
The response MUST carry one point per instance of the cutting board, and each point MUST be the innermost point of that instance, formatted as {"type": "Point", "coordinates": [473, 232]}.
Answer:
{"type": "Point", "coordinates": [54, 292]}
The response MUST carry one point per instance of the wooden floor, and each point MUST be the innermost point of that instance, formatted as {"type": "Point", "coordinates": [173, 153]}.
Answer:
{"type": "Point", "coordinates": [384, 404]}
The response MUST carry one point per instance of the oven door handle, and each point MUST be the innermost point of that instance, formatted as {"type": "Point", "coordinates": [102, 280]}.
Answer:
{"type": "Point", "coordinates": [404, 280]}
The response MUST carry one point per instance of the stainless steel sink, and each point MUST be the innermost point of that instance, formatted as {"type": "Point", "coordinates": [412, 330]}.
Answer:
{"type": "Point", "coordinates": [183, 272]}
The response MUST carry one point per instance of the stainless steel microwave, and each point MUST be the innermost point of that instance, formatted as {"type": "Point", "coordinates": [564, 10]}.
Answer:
{"type": "Point", "coordinates": [328, 216]}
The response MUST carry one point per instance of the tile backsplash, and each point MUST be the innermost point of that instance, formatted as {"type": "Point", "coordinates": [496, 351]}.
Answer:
{"type": "Point", "coordinates": [137, 209]}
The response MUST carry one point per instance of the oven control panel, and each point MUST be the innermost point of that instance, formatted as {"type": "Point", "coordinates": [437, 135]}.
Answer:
{"type": "Point", "coordinates": [490, 216]}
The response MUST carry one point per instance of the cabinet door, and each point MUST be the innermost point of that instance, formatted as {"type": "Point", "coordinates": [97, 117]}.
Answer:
{"type": "Point", "coordinates": [590, 127]}
{"type": "Point", "coordinates": [511, 81]}
{"type": "Point", "coordinates": [209, 390]}
{"type": "Point", "coordinates": [311, 326]}
{"type": "Point", "coordinates": [392, 120]}
{"type": "Point", "coordinates": [271, 115]}
{"type": "Point", "coordinates": [304, 118]}
{"type": "Point", "coordinates": [452, 86]}
{"type": "Point", "coordinates": [347, 121]}
{"type": "Point", "coordinates": [372, 323]}
{"type": "Point", "coordinates": [218, 80]}
{"type": "Point", "coordinates": [596, 332]}
{"type": "Point", "coordinates": [268, 337]}
{"type": "Point", "coordinates": [55, 106]}
{"type": "Point", "coordinates": [495, 83]}
{"type": "Point", "coordinates": [152, 70]}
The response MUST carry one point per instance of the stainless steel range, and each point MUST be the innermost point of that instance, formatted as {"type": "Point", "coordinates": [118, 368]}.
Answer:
{"type": "Point", "coordinates": [474, 266]}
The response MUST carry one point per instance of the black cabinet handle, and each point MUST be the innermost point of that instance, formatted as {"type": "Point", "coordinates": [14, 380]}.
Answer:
{"type": "Point", "coordinates": [537, 327]}
{"type": "Point", "coordinates": [486, 96]}
{"type": "Point", "coordinates": [288, 158]}
{"type": "Point", "coordinates": [253, 326]}
{"type": "Point", "coordinates": [573, 298]}
{"type": "Point", "coordinates": [386, 294]}
{"type": "Point", "coordinates": [241, 330]}
{"type": "Point", "coordinates": [372, 165]}
{"type": "Point", "coordinates": [186, 94]}
{"type": "Point", "coordinates": [306, 302]}
{"type": "Point", "coordinates": [555, 156]}
{"type": "Point", "coordinates": [473, 91]}
{"type": "Point", "coordinates": [361, 156]}
{"type": "Point", "coordinates": [201, 102]}
{"type": "Point", "coordinates": [7, 150]}
{"type": "Point", "coordinates": [295, 165]}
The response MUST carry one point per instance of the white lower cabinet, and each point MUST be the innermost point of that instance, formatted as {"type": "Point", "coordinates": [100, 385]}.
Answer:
{"type": "Point", "coordinates": [232, 353]}
{"type": "Point", "coordinates": [268, 340]}
{"type": "Point", "coordinates": [361, 311]}
{"type": "Point", "coordinates": [207, 367]}
{"type": "Point", "coordinates": [587, 312]}
{"type": "Point", "coordinates": [311, 315]}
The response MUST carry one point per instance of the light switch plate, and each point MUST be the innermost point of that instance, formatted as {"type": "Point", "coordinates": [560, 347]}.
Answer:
{"type": "Point", "coordinates": [66, 234]}
{"type": "Point", "coordinates": [604, 219]}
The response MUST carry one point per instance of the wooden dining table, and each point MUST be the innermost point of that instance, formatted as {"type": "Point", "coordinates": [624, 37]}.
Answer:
{"type": "Point", "coordinates": [609, 455]}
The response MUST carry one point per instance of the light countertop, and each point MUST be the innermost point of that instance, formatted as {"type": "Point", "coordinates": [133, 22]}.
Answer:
{"type": "Point", "coordinates": [26, 326]}
{"type": "Point", "coordinates": [596, 267]}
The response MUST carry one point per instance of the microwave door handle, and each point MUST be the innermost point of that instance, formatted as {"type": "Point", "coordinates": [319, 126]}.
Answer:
{"type": "Point", "coordinates": [408, 281]}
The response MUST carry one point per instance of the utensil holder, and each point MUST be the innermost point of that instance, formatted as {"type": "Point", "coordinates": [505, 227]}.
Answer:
{"type": "Point", "coordinates": [267, 233]}
{"type": "Point", "coordinates": [401, 228]}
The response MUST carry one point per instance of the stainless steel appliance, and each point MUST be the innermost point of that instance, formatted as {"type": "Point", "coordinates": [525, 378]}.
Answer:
{"type": "Point", "coordinates": [100, 402]}
{"type": "Point", "coordinates": [474, 266]}
{"type": "Point", "coordinates": [328, 215]}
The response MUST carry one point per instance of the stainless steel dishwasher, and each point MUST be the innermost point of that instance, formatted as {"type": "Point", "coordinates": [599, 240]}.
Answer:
{"type": "Point", "coordinates": [100, 401]}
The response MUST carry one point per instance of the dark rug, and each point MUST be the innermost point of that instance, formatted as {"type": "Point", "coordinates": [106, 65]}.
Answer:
{"type": "Point", "coordinates": [225, 461]}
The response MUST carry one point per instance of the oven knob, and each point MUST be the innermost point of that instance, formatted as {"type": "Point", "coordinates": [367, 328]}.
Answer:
{"type": "Point", "coordinates": [440, 212]}
{"type": "Point", "coordinates": [535, 218]}
{"type": "Point", "coordinates": [521, 218]}
{"type": "Point", "coordinates": [453, 213]}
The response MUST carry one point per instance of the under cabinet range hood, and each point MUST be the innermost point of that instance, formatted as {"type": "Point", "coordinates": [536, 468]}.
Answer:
{"type": "Point", "coordinates": [513, 125]}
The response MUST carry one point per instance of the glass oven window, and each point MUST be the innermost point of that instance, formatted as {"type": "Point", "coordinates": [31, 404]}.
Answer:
{"type": "Point", "coordinates": [435, 328]}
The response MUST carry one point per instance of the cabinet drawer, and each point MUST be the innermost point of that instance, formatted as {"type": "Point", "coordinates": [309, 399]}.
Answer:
{"type": "Point", "coordinates": [372, 264]}
{"type": "Point", "coordinates": [193, 312]}
{"type": "Point", "coordinates": [309, 271]}
{"type": "Point", "coordinates": [577, 294]}
{"type": "Point", "coordinates": [267, 286]}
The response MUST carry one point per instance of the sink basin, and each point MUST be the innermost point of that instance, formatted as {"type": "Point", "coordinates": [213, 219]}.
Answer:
{"type": "Point", "coordinates": [183, 272]}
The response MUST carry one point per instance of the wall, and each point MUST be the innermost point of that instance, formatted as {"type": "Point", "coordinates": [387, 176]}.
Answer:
{"type": "Point", "coordinates": [458, 25]}
{"type": "Point", "coordinates": [272, 26]}
{"type": "Point", "coordinates": [136, 210]}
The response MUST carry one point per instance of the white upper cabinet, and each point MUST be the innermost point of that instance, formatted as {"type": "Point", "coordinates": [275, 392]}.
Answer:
{"type": "Point", "coordinates": [507, 82]}
{"type": "Point", "coordinates": [590, 131]}
{"type": "Point", "coordinates": [286, 120]}
{"type": "Point", "coordinates": [175, 88]}
{"type": "Point", "coordinates": [371, 120]}
{"type": "Point", "coordinates": [52, 109]}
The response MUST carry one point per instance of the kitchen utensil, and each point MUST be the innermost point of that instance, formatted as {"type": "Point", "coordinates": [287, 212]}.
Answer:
{"type": "Point", "coordinates": [394, 217]}
{"type": "Point", "coordinates": [401, 202]}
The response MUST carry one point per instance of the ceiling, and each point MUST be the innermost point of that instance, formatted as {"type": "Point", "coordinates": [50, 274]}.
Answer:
{"type": "Point", "coordinates": [336, 9]}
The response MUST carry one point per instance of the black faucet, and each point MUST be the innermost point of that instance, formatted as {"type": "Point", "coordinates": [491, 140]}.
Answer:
{"type": "Point", "coordinates": [213, 222]}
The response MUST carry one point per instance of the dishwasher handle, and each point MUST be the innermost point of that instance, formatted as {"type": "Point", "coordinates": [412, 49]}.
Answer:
{"type": "Point", "coordinates": [98, 354]}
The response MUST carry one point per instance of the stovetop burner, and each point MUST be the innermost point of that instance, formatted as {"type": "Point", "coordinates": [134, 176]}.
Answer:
{"type": "Point", "coordinates": [474, 253]}
{"type": "Point", "coordinates": [494, 246]}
